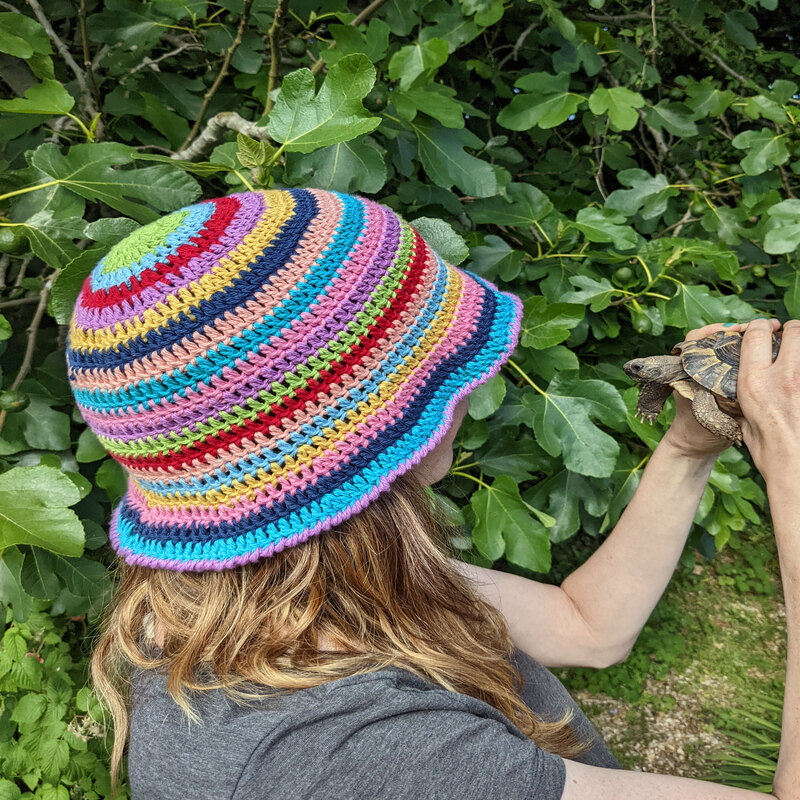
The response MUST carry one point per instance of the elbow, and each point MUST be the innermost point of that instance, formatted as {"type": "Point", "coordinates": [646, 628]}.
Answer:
{"type": "Point", "coordinates": [608, 657]}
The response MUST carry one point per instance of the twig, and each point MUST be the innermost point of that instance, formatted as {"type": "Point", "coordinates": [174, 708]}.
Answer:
{"type": "Point", "coordinates": [151, 62]}
{"type": "Point", "coordinates": [215, 127]}
{"type": "Point", "coordinates": [87, 61]}
{"type": "Point", "coordinates": [714, 57]}
{"type": "Point", "coordinates": [31, 330]}
{"type": "Point", "coordinates": [518, 44]}
{"type": "Point", "coordinates": [248, 4]}
{"type": "Point", "coordinates": [80, 75]}
{"type": "Point", "coordinates": [22, 301]}
{"type": "Point", "coordinates": [274, 52]}
{"type": "Point", "coordinates": [5, 260]}
{"type": "Point", "coordinates": [22, 269]}
{"type": "Point", "coordinates": [364, 15]}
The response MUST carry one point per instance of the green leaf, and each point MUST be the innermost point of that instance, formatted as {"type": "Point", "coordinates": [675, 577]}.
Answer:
{"type": "Point", "coordinates": [111, 477]}
{"type": "Point", "coordinates": [6, 331]}
{"type": "Point", "coordinates": [37, 427]}
{"type": "Point", "coordinates": [522, 206]}
{"type": "Point", "coordinates": [504, 524]}
{"type": "Point", "coordinates": [647, 193]}
{"type": "Point", "coordinates": [89, 448]}
{"type": "Point", "coordinates": [9, 790]}
{"type": "Point", "coordinates": [48, 97]}
{"type": "Point", "coordinates": [21, 36]}
{"type": "Point", "coordinates": [417, 63]}
{"type": "Point", "coordinates": [596, 294]}
{"type": "Point", "coordinates": [88, 170]}
{"type": "Point", "coordinates": [512, 453]}
{"type": "Point", "coordinates": [434, 100]}
{"type": "Point", "coordinates": [34, 509]}
{"type": "Point", "coordinates": [85, 577]}
{"type": "Point", "coordinates": [767, 149]}
{"type": "Point", "coordinates": [442, 238]}
{"type": "Point", "coordinates": [783, 228]}
{"type": "Point", "coordinates": [694, 306]}
{"type": "Point", "coordinates": [620, 104]}
{"type": "Point", "coordinates": [485, 399]}
{"type": "Point", "coordinates": [204, 169]}
{"type": "Point", "coordinates": [304, 122]}
{"type": "Point", "coordinates": [495, 258]}
{"type": "Point", "coordinates": [548, 102]}
{"type": "Point", "coordinates": [442, 153]}
{"type": "Point", "coordinates": [11, 590]}
{"type": "Point", "coordinates": [561, 496]}
{"type": "Point", "coordinates": [738, 25]}
{"type": "Point", "coordinates": [39, 574]}
{"type": "Point", "coordinates": [253, 153]}
{"type": "Point", "coordinates": [676, 118]}
{"type": "Point", "coordinates": [29, 708]}
{"type": "Point", "coordinates": [788, 277]}
{"type": "Point", "coordinates": [14, 644]}
{"type": "Point", "coordinates": [52, 238]}
{"type": "Point", "coordinates": [355, 166]}
{"type": "Point", "coordinates": [606, 225]}
{"type": "Point", "coordinates": [562, 421]}
{"type": "Point", "coordinates": [545, 325]}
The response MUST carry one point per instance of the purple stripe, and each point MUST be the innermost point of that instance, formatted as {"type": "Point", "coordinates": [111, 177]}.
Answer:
{"type": "Point", "coordinates": [243, 222]}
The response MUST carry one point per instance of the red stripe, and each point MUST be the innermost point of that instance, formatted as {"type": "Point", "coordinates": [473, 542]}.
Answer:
{"type": "Point", "coordinates": [265, 419]}
{"type": "Point", "coordinates": [210, 234]}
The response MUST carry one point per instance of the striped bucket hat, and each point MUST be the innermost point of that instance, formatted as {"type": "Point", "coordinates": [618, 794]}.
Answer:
{"type": "Point", "coordinates": [263, 365]}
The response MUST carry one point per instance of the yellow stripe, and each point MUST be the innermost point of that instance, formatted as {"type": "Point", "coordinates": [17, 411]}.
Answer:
{"type": "Point", "coordinates": [280, 207]}
{"type": "Point", "coordinates": [217, 497]}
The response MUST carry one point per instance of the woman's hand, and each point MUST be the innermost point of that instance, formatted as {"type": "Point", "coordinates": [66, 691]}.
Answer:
{"type": "Point", "coordinates": [769, 396]}
{"type": "Point", "coordinates": [685, 433]}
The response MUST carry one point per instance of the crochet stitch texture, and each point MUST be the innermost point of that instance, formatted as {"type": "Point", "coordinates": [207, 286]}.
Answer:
{"type": "Point", "coordinates": [263, 365]}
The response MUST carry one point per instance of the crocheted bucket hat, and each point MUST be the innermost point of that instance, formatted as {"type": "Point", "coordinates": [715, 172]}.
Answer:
{"type": "Point", "coordinates": [263, 365]}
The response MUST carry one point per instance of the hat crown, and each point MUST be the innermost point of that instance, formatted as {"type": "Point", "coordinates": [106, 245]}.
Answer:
{"type": "Point", "coordinates": [263, 365]}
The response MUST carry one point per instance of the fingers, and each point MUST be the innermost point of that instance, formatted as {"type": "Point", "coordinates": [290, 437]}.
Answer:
{"type": "Point", "coordinates": [716, 327]}
{"type": "Point", "coordinates": [756, 347]}
{"type": "Point", "coordinates": [789, 354]}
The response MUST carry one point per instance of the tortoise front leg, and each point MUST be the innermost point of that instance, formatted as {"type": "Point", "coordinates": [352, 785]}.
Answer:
{"type": "Point", "coordinates": [652, 397]}
{"type": "Point", "coordinates": [708, 414]}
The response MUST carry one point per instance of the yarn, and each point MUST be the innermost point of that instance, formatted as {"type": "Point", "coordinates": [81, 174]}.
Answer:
{"type": "Point", "coordinates": [264, 364]}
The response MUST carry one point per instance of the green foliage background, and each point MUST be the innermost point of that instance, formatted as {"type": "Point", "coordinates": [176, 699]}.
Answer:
{"type": "Point", "coordinates": [629, 172]}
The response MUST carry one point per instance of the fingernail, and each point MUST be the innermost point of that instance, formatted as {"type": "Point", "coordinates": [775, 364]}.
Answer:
{"type": "Point", "coordinates": [728, 324]}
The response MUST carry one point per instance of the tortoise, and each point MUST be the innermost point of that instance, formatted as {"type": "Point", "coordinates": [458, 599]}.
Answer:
{"type": "Point", "coordinates": [702, 370]}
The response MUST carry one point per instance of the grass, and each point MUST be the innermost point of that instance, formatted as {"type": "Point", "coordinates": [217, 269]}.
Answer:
{"type": "Point", "coordinates": [715, 643]}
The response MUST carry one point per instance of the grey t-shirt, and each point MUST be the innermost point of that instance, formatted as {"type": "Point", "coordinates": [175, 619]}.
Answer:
{"type": "Point", "coordinates": [380, 736]}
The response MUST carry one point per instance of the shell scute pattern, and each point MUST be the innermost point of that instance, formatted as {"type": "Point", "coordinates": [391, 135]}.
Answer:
{"type": "Point", "coordinates": [268, 374]}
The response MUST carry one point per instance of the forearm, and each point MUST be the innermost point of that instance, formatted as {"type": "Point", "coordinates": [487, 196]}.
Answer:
{"type": "Point", "coordinates": [617, 588]}
{"type": "Point", "coordinates": [784, 502]}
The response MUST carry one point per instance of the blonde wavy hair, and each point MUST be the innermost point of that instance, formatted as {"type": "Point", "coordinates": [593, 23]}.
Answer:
{"type": "Point", "coordinates": [379, 586]}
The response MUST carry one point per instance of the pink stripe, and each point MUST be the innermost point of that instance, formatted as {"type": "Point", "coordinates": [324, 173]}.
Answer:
{"type": "Point", "coordinates": [462, 328]}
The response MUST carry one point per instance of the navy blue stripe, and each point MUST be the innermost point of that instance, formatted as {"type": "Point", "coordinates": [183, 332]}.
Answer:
{"type": "Point", "coordinates": [272, 258]}
{"type": "Point", "coordinates": [328, 483]}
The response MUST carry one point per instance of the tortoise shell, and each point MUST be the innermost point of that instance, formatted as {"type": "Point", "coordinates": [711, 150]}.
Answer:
{"type": "Point", "coordinates": [713, 361]}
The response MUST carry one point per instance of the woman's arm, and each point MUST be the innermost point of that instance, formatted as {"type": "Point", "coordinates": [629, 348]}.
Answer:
{"type": "Point", "coordinates": [595, 616]}
{"type": "Point", "coordinates": [769, 394]}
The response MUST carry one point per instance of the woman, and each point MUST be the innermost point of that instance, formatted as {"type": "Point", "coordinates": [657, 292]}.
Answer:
{"type": "Point", "coordinates": [282, 374]}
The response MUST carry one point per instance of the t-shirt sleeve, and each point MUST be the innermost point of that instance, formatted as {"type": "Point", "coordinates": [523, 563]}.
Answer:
{"type": "Point", "coordinates": [419, 754]}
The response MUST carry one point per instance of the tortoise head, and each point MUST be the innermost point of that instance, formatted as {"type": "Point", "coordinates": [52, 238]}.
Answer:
{"type": "Point", "coordinates": [658, 369]}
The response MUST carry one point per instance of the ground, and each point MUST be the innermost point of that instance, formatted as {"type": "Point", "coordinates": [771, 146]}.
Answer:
{"type": "Point", "coordinates": [717, 636]}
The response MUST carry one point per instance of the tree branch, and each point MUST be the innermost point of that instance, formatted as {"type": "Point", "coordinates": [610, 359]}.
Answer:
{"type": "Point", "coordinates": [364, 15]}
{"type": "Point", "coordinates": [248, 4]}
{"type": "Point", "coordinates": [274, 52]}
{"type": "Point", "coordinates": [86, 93]}
{"type": "Point", "coordinates": [31, 330]}
{"type": "Point", "coordinates": [215, 127]}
